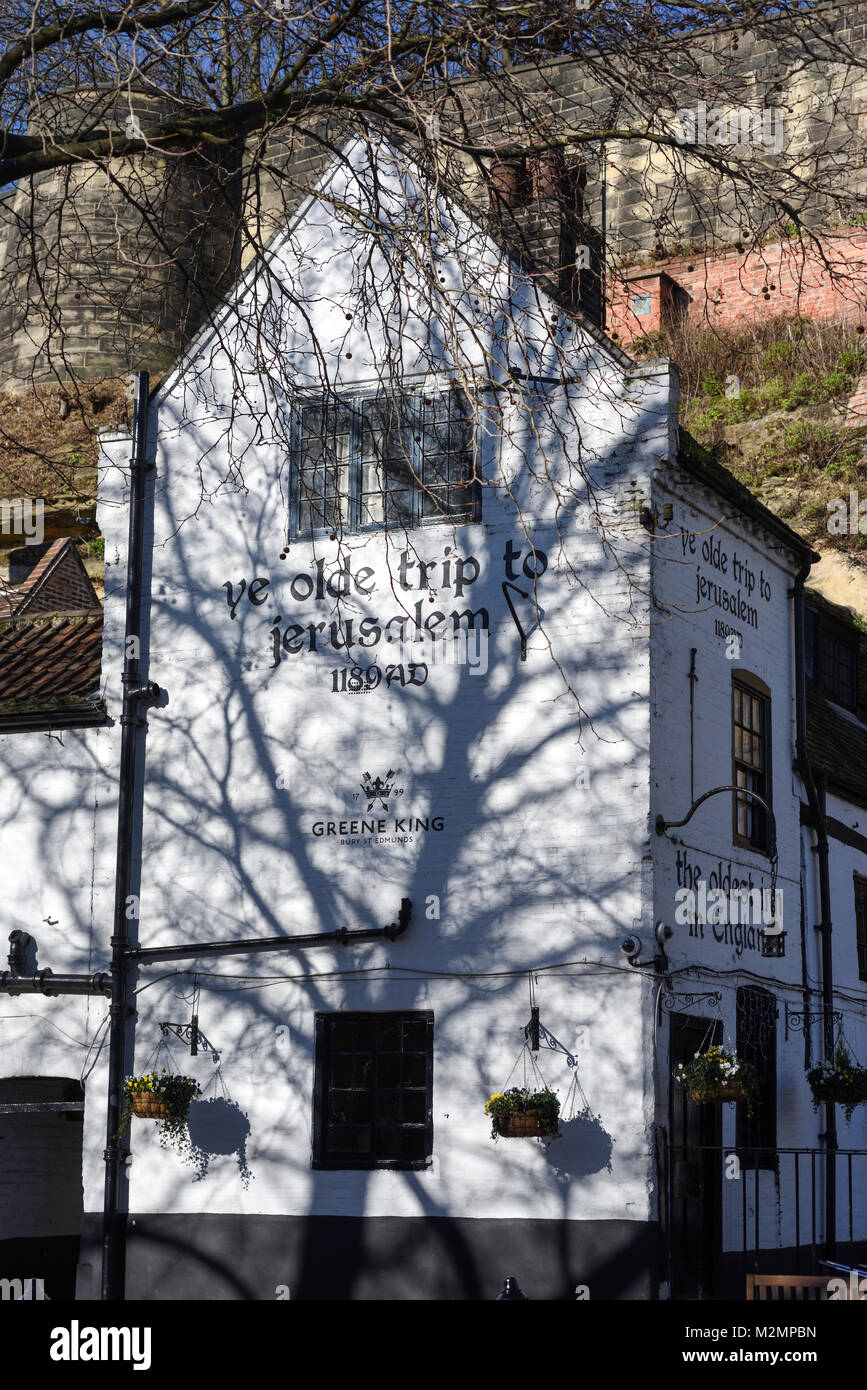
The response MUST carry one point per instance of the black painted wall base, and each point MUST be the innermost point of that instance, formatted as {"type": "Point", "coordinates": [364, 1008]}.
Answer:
{"type": "Point", "coordinates": [374, 1258]}
{"type": "Point", "coordinates": [52, 1259]}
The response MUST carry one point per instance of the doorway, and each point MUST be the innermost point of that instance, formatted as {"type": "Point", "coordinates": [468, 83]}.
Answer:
{"type": "Point", "coordinates": [695, 1168]}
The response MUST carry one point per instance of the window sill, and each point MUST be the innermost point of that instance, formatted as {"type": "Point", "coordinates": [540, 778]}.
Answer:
{"type": "Point", "coordinates": [761, 850]}
{"type": "Point", "coordinates": [393, 529]}
{"type": "Point", "coordinates": [378, 1165]}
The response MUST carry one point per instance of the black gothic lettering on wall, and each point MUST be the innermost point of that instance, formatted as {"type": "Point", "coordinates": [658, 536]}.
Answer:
{"type": "Point", "coordinates": [732, 581]}
{"type": "Point", "coordinates": [453, 574]}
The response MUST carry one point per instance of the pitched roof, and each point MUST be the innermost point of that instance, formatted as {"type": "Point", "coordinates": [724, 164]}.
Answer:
{"type": "Point", "coordinates": [50, 665]}
{"type": "Point", "coordinates": [707, 469]}
{"type": "Point", "coordinates": [58, 581]}
{"type": "Point", "coordinates": [315, 165]}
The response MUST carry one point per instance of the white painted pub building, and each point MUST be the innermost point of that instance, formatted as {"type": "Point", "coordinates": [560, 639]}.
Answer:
{"type": "Point", "coordinates": [453, 632]}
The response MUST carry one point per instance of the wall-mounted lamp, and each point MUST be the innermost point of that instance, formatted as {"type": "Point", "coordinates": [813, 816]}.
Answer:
{"type": "Point", "coordinates": [650, 520]}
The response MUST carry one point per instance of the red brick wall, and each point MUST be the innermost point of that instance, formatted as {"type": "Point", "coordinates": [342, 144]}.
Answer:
{"type": "Point", "coordinates": [66, 590]}
{"type": "Point", "coordinates": [737, 287]}
{"type": "Point", "coordinates": [59, 583]}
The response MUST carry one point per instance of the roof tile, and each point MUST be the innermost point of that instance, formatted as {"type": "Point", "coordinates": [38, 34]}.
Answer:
{"type": "Point", "coordinates": [51, 661]}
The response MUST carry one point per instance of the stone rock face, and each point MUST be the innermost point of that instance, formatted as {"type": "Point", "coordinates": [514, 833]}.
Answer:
{"type": "Point", "coordinates": [840, 581]}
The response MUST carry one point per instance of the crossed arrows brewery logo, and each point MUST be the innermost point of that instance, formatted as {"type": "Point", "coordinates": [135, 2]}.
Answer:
{"type": "Point", "coordinates": [378, 788]}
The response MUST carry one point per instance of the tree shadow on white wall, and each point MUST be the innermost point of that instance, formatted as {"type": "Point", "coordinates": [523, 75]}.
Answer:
{"type": "Point", "coordinates": [218, 1127]}
{"type": "Point", "coordinates": [584, 1147]}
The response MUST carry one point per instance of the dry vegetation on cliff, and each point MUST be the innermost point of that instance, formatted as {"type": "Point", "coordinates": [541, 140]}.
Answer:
{"type": "Point", "coordinates": [771, 400]}
{"type": "Point", "coordinates": [48, 450]}
{"type": "Point", "coordinates": [58, 461]}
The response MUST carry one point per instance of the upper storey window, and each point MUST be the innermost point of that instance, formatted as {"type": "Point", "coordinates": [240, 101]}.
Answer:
{"type": "Point", "coordinates": [831, 658]}
{"type": "Point", "coordinates": [376, 462]}
{"type": "Point", "coordinates": [751, 723]}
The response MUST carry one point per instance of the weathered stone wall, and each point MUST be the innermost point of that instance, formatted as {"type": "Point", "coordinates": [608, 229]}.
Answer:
{"type": "Point", "coordinates": [111, 267]}
{"type": "Point", "coordinates": [659, 202]}
{"type": "Point", "coordinates": [648, 201]}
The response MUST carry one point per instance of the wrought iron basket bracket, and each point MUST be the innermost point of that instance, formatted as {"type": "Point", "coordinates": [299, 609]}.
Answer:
{"type": "Point", "coordinates": [798, 1020]}
{"type": "Point", "coordinates": [191, 1033]}
{"type": "Point", "coordinates": [535, 1033]}
{"type": "Point", "coordinates": [668, 996]}
{"type": "Point", "coordinates": [661, 824]}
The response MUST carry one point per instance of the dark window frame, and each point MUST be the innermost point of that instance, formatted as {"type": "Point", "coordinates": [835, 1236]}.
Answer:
{"type": "Point", "coordinates": [860, 890]}
{"type": "Point", "coordinates": [831, 658]}
{"type": "Point", "coordinates": [811, 641]}
{"type": "Point", "coordinates": [838, 665]}
{"type": "Point", "coordinates": [326, 1157]}
{"type": "Point", "coordinates": [756, 1137]}
{"type": "Point", "coordinates": [410, 429]}
{"type": "Point", "coordinates": [759, 839]}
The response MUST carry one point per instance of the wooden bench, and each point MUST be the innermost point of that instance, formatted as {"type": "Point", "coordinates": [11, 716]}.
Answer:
{"type": "Point", "coordinates": [787, 1287]}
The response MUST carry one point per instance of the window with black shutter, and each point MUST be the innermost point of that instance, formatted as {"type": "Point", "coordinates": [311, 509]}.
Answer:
{"type": "Point", "coordinates": [757, 1043]}
{"type": "Point", "coordinates": [861, 924]}
{"type": "Point", "coordinates": [373, 1090]}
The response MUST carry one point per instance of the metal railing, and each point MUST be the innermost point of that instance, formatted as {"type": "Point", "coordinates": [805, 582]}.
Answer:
{"type": "Point", "coordinates": [759, 1210]}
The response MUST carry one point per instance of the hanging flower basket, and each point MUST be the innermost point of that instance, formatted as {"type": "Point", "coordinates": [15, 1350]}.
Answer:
{"type": "Point", "coordinates": [716, 1077]}
{"type": "Point", "coordinates": [836, 1089]}
{"type": "Point", "coordinates": [715, 1095]}
{"type": "Point", "coordinates": [164, 1097]}
{"type": "Point", "coordinates": [842, 1082]}
{"type": "Point", "coordinates": [523, 1114]}
{"type": "Point", "coordinates": [148, 1106]}
{"type": "Point", "coordinates": [523, 1124]}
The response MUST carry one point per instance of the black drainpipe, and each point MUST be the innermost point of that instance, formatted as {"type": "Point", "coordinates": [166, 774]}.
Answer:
{"type": "Point", "coordinates": [47, 983]}
{"type": "Point", "coordinates": [134, 694]}
{"type": "Point", "coordinates": [816, 799]}
{"type": "Point", "coordinates": [342, 936]}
